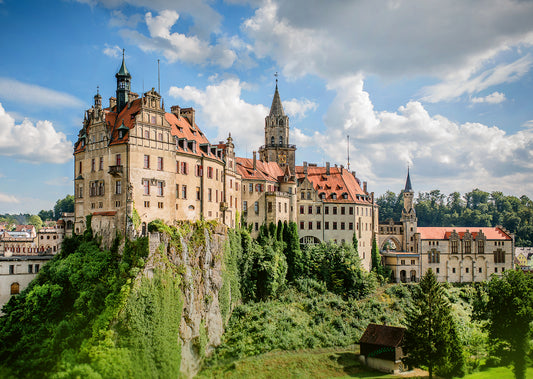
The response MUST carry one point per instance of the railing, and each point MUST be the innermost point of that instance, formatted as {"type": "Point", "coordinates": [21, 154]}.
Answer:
{"type": "Point", "coordinates": [116, 170]}
{"type": "Point", "coordinates": [277, 145]}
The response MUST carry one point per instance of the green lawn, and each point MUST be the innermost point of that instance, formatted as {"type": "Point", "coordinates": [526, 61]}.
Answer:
{"type": "Point", "coordinates": [319, 363]}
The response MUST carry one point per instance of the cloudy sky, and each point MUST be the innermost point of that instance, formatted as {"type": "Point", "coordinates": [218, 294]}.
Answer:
{"type": "Point", "coordinates": [444, 86]}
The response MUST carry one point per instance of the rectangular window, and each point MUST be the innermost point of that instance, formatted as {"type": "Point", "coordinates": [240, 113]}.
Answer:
{"type": "Point", "coordinates": [334, 225]}
{"type": "Point", "coordinates": [146, 134]}
{"type": "Point", "coordinates": [147, 204]}
{"type": "Point", "coordinates": [481, 247]}
{"type": "Point", "coordinates": [159, 188]}
{"type": "Point", "coordinates": [101, 164]}
{"type": "Point", "coordinates": [30, 269]}
{"type": "Point", "coordinates": [455, 246]}
{"type": "Point", "coordinates": [146, 161]}
{"type": "Point", "coordinates": [184, 191]}
{"type": "Point", "coordinates": [11, 269]}
{"type": "Point", "coordinates": [310, 225]}
{"type": "Point", "coordinates": [301, 209]}
{"type": "Point", "coordinates": [231, 183]}
{"type": "Point", "coordinates": [351, 210]}
{"type": "Point", "coordinates": [184, 168]}
{"type": "Point", "coordinates": [118, 187]}
{"type": "Point", "coordinates": [209, 195]}
{"type": "Point", "coordinates": [36, 268]}
{"type": "Point", "coordinates": [318, 225]}
{"type": "Point", "coordinates": [326, 225]}
{"type": "Point", "coordinates": [334, 210]}
{"type": "Point", "coordinates": [343, 211]}
{"type": "Point", "coordinates": [301, 225]}
{"type": "Point", "coordinates": [92, 165]}
{"type": "Point", "coordinates": [468, 246]}
{"type": "Point", "coordinates": [269, 206]}
{"type": "Point", "coordinates": [177, 167]}
{"type": "Point", "coordinates": [160, 136]}
{"type": "Point", "coordinates": [210, 172]}
{"type": "Point", "coordinates": [326, 210]}
{"type": "Point", "coordinates": [160, 205]}
{"type": "Point", "coordinates": [318, 210]}
{"type": "Point", "coordinates": [198, 193]}
{"type": "Point", "coordinates": [177, 191]}
{"type": "Point", "coordinates": [118, 160]}
{"type": "Point", "coordinates": [285, 206]}
{"type": "Point", "coordinates": [245, 206]}
{"type": "Point", "coordinates": [256, 207]}
{"type": "Point", "coordinates": [199, 170]}
{"type": "Point", "coordinates": [342, 225]}
{"type": "Point", "coordinates": [310, 210]}
{"type": "Point", "coordinates": [79, 167]}
{"type": "Point", "coordinates": [453, 270]}
{"type": "Point", "coordinates": [350, 226]}
{"type": "Point", "coordinates": [146, 186]}
{"type": "Point", "coordinates": [160, 163]}
{"type": "Point", "coordinates": [251, 188]}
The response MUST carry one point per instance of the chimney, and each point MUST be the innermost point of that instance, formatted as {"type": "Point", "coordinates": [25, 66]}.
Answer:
{"type": "Point", "coordinates": [189, 114]}
{"type": "Point", "coordinates": [342, 168]}
{"type": "Point", "coordinates": [353, 173]}
{"type": "Point", "coordinates": [305, 169]}
{"type": "Point", "coordinates": [255, 160]}
{"type": "Point", "coordinates": [175, 109]}
{"type": "Point", "coordinates": [327, 168]}
{"type": "Point", "coordinates": [364, 187]}
{"type": "Point", "coordinates": [112, 102]}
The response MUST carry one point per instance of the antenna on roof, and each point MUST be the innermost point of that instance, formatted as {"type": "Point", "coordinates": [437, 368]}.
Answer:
{"type": "Point", "coordinates": [348, 149]}
{"type": "Point", "coordinates": [158, 79]}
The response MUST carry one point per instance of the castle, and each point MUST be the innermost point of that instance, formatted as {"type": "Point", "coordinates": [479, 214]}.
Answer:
{"type": "Point", "coordinates": [454, 254]}
{"type": "Point", "coordinates": [135, 162]}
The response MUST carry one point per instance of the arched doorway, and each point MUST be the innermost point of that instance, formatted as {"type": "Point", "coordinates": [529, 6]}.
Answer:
{"type": "Point", "coordinates": [143, 232]}
{"type": "Point", "coordinates": [15, 289]}
{"type": "Point", "coordinates": [403, 276]}
{"type": "Point", "coordinates": [413, 276]}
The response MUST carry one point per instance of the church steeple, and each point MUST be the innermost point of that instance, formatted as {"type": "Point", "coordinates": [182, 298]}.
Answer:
{"type": "Point", "coordinates": [276, 109]}
{"type": "Point", "coordinates": [123, 85]}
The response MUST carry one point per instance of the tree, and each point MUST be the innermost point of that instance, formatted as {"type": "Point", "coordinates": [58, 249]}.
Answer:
{"type": "Point", "coordinates": [46, 215]}
{"type": "Point", "coordinates": [35, 221]}
{"type": "Point", "coordinates": [355, 243]}
{"type": "Point", "coordinates": [376, 257]}
{"type": "Point", "coordinates": [292, 251]}
{"type": "Point", "coordinates": [509, 309]}
{"type": "Point", "coordinates": [431, 338]}
{"type": "Point", "coordinates": [64, 205]}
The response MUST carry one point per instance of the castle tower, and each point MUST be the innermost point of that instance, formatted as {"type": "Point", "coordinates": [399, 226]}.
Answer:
{"type": "Point", "coordinates": [409, 219]}
{"type": "Point", "coordinates": [123, 85]}
{"type": "Point", "coordinates": [277, 147]}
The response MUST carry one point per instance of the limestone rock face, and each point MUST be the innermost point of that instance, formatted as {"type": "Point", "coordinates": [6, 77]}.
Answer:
{"type": "Point", "coordinates": [198, 257]}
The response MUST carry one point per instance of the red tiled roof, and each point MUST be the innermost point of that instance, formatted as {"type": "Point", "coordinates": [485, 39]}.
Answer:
{"type": "Point", "coordinates": [337, 182]}
{"type": "Point", "coordinates": [383, 335]}
{"type": "Point", "coordinates": [270, 171]}
{"type": "Point", "coordinates": [443, 233]}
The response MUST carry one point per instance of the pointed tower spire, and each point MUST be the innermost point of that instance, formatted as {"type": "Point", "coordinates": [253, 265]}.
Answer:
{"type": "Point", "coordinates": [123, 85]}
{"type": "Point", "coordinates": [276, 109]}
{"type": "Point", "coordinates": [408, 187]}
{"type": "Point", "coordinates": [123, 70]}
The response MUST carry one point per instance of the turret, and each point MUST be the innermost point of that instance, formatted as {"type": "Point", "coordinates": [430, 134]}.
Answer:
{"type": "Point", "coordinates": [123, 85]}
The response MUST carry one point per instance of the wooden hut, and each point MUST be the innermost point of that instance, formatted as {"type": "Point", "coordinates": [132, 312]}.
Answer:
{"type": "Point", "coordinates": [381, 348]}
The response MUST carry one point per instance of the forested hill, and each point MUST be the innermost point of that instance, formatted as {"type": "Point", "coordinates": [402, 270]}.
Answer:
{"type": "Point", "coordinates": [475, 208]}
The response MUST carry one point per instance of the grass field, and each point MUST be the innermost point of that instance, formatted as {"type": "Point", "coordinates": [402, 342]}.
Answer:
{"type": "Point", "coordinates": [322, 363]}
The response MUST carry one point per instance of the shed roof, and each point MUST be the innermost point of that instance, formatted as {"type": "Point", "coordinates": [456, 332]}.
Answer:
{"type": "Point", "coordinates": [383, 335]}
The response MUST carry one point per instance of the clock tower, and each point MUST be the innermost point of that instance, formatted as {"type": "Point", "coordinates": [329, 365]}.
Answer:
{"type": "Point", "coordinates": [277, 147]}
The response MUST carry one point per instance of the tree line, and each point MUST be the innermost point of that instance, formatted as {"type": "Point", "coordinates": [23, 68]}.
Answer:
{"type": "Point", "coordinates": [61, 206]}
{"type": "Point", "coordinates": [475, 208]}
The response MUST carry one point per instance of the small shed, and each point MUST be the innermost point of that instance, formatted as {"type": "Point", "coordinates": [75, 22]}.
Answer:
{"type": "Point", "coordinates": [381, 349]}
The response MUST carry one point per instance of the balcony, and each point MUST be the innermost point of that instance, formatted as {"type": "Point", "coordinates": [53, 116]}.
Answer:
{"type": "Point", "coordinates": [116, 170]}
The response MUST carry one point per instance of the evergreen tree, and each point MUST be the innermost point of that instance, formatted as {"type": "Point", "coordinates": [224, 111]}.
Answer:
{"type": "Point", "coordinates": [355, 243]}
{"type": "Point", "coordinates": [293, 252]}
{"type": "Point", "coordinates": [431, 338]}
{"type": "Point", "coordinates": [279, 236]}
{"type": "Point", "coordinates": [376, 257]}
{"type": "Point", "coordinates": [272, 230]}
{"type": "Point", "coordinates": [509, 309]}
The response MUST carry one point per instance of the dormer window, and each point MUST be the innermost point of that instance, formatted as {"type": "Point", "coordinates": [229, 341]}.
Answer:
{"type": "Point", "coordinates": [334, 196]}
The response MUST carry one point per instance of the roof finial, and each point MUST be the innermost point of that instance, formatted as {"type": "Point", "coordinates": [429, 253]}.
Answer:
{"type": "Point", "coordinates": [123, 53]}
{"type": "Point", "coordinates": [276, 75]}
{"type": "Point", "coordinates": [98, 90]}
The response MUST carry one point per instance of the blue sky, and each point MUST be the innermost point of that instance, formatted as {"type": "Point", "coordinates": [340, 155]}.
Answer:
{"type": "Point", "coordinates": [442, 86]}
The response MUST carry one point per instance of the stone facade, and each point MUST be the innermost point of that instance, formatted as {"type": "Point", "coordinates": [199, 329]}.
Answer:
{"type": "Point", "coordinates": [455, 254]}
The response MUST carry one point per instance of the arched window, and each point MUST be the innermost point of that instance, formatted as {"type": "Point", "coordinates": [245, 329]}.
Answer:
{"type": "Point", "coordinates": [272, 140]}
{"type": "Point", "coordinates": [280, 140]}
{"type": "Point", "coordinates": [143, 232]}
{"type": "Point", "coordinates": [15, 289]}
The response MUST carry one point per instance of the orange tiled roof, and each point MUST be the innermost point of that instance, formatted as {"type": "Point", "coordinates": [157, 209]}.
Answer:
{"type": "Point", "coordinates": [270, 171]}
{"type": "Point", "coordinates": [338, 182]}
{"type": "Point", "coordinates": [444, 233]}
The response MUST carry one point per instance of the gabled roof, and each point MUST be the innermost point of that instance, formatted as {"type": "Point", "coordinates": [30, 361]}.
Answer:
{"type": "Point", "coordinates": [338, 182]}
{"type": "Point", "coordinates": [270, 171]}
{"type": "Point", "coordinates": [444, 233]}
{"type": "Point", "coordinates": [383, 335]}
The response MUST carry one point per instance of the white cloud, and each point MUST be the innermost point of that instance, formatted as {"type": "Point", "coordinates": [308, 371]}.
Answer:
{"type": "Point", "coordinates": [120, 20]}
{"type": "Point", "coordinates": [176, 46]}
{"type": "Point", "coordinates": [112, 51]}
{"type": "Point", "coordinates": [434, 37]}
{"type": "Point", "coordinates": [5, 198]}
{"type": "Point", "coordinates": [443, 154]}
{"type": "Point", "coordinates": [299, 108]}
{"type": "Point", "coordinates": [223, 109]}
{"type": "Point", "coordinates": [32, 143]}
{"type": "Point", "coordinates": [464, 82]}
{"type": "Point", "coordinates": [493, 98]}
{"type": "Point", "coordinates": [14, 90]}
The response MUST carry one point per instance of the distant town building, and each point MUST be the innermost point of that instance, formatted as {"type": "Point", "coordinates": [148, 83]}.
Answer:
{"type": "Point", "coordinates": [455, 254]}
